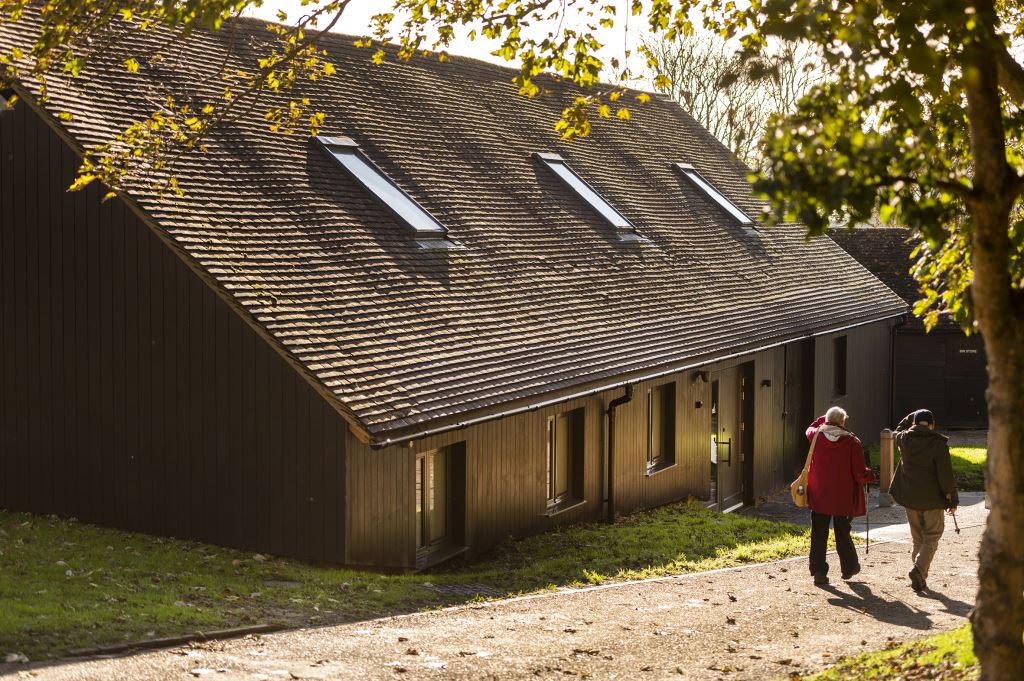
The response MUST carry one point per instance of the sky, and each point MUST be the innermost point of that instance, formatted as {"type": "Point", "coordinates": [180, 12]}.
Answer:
{"type": "Point", "coordinates": [356, 21]}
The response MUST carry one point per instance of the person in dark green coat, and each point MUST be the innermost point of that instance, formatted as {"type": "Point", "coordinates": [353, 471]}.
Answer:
{"type": "Point", "coordinates": [924, 485]}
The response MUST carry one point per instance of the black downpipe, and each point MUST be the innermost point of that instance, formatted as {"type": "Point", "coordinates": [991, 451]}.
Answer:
{"type": "Point", "coordinates": [618, 401]}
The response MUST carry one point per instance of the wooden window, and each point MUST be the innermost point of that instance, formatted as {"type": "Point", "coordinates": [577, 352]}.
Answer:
{"type": "Point", "coordinates": [839, 365]}
{"type": "Point", "coordinates": [661, 426]}
{"type": "Point", "coordinates": [564, 457]}
{"type": "Point", "coordinates": [432, 498]}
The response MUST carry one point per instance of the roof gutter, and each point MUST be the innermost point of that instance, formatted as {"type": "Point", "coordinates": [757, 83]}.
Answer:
{"type": "Point", "coordinates": [621, 383]}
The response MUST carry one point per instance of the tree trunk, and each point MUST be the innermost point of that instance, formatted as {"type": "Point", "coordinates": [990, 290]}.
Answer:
{"type": "Point", "coordinates": [998, 616]}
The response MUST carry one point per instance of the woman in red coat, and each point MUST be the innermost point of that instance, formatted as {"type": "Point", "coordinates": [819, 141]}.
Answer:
{"type": "Point", "coordinates": [835, 491]}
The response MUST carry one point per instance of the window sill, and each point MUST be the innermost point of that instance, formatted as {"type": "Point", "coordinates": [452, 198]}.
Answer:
{"type": "Point", "coordinates": [563, 507]}
{"type": "Point", "coordinates": [439, 555]}
{"type": "Point", "coordinates": [654, 470]}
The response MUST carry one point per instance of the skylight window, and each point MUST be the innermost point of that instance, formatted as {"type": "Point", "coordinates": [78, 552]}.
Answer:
{"type": "Point", "coordinates": [731, 208]}
{"type": "Point", "coordinates": [557, 165]}
{"type": "Point", "coordinates": [353, 161]}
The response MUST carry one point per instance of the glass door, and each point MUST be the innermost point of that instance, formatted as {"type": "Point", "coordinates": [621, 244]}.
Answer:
{"type": "Point", "coordinates": [432, 502]}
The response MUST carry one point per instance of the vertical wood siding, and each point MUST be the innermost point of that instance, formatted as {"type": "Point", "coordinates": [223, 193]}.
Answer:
{"type": "Point", "coordinates": [505, 459]}
{"type": "Point", "coordinates": [868, 379]}
{"type": "Point", "coordinates": [131, 395]}
{"type": "Point", "coordinates": [942, 371]}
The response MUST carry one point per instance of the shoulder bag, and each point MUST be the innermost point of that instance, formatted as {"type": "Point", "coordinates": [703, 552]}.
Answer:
{"type": "Point", "coordinates": [798, 489]}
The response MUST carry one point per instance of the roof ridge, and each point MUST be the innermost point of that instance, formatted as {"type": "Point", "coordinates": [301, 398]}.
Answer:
{"type": "Point", "coordinates": [449, 57]}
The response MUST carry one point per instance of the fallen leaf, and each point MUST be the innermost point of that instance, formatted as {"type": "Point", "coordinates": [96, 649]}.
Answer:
{"type": "Point", "coordinates": [730, 620]}
{"type": "Point", "coordinates": [201, 671]}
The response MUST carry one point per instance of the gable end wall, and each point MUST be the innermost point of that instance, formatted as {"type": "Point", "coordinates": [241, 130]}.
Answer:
{"type": "Point", "coordinates": [131, 395]}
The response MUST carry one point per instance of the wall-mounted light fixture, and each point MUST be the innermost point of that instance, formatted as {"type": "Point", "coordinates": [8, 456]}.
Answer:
{"type": "Point", "coordinates": [766, 383]}
{"type": "Point", "coordinates": [700, 376]}
{"type": "Point", "coordinates": [698, 404]}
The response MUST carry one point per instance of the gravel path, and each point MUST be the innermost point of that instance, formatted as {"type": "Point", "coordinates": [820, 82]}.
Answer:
{"type": "Point", "coordinates": [761, 621]}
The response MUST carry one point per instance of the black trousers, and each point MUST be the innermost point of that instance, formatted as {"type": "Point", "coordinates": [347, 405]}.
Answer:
{"type": "Point", "coordinates": [848, 560]}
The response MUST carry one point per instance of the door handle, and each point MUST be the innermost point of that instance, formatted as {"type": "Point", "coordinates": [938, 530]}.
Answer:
{"type": "Point", "coordinates": [727, 459]}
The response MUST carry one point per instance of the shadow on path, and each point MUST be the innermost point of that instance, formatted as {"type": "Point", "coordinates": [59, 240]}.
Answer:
{"type": "Point", "coordinates": [865, 601]}
{"type": "Point", "coordinates": [950, 605]}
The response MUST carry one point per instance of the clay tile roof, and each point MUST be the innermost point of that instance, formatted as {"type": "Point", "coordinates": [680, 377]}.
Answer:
{"type": "Point", "coordinates": [886, 253]}
{"type": "Point", "coordinates": [543, 300]}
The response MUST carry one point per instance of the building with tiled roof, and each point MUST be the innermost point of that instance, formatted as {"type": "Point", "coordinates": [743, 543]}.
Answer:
{"type": "Point", "coordinates": [942, 370]}
{"type": "Point", "coordinates": [402, 340]}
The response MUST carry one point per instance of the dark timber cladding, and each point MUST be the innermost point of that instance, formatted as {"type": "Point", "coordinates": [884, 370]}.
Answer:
{"type": "Point", "coordinates": [941, 369]}
{"type": "Point", "coordinates": [370, 356]}
{"type": "Point", "coordinates": [131, 394]}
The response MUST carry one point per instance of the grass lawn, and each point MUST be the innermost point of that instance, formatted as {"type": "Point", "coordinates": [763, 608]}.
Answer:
{"type": "Point", "coordinates": [67, 585]}
{"type": "Point", "coordinates": [968, 466]}
{"type": "Point", "coordinates": [947, 656]}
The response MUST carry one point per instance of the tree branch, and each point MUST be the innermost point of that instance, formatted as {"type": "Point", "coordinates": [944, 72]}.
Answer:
{"type": "Point", "coordinates": [1011, 73]}
{"type": "Point", "coordinates": [956, 188]}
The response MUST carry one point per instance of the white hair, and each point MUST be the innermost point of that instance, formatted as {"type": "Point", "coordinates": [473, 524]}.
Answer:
{"type": "Point", "coordinates": [836, 416]}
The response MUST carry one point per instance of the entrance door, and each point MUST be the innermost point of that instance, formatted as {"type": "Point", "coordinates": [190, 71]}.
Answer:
{"type": "Point", "coordinates": [726, 443]}
{"type": "Point", "coordinates": [799, 401]}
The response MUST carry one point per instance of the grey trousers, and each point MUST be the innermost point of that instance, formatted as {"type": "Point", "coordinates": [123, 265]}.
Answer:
{"type": "Point", "coordinates": [925, 529]}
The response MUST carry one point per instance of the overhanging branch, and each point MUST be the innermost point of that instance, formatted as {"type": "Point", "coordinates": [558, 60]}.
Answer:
{"type": "Point", "coordinates": [955, 188]}
{"type": "Point", "coordinates": [1011, 74]}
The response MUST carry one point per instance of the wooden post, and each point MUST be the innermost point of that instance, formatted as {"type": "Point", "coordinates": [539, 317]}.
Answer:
{"type": "Point", "coordinates": [886, 459]}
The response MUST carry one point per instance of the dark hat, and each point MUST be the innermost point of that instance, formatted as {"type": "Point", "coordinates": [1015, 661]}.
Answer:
{"type": "Point", "coordinates": [923, 417]}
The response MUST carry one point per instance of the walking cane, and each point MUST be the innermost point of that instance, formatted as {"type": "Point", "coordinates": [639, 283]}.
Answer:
{"type": "Point", "coordinates": [867, 519]}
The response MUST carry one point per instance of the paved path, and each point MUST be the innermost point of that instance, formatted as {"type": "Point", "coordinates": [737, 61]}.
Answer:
{"type": "Point", "coordinates": [763, 621]}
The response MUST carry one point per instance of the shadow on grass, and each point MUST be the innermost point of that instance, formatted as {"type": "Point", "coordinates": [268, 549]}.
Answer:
{"type": "Point", "coordinates": [68, 585]}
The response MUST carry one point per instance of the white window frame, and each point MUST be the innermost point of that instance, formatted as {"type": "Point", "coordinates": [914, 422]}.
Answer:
{"type": "Point", "coordinates": [703, 184]}
{"type": "Point", "coordinates": [347, 155]}
{"type": "Point", "coordinates": [561, 169]}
